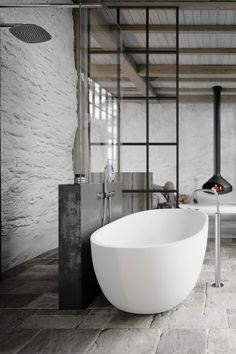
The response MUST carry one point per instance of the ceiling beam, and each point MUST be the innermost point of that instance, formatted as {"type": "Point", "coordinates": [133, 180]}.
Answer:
{"type": "Point", "coordinates": [172, 90]}
{"type": "Point", "coordinates": [189, 71]}
{"type": "Point", "coordinates": [191, 91]}
{"type": "Point", "coordinates": [194, 79]}
{"type": "Point", "coordinates": [188, 51]}
{"type": "Point", "coordinates": [129, 67]}
{"type": "Point", "coordinates": [99, 71]}
{"type": "Point", "coordinates": [106, 80]}
{"type": "Point", "coordinates": [169, 71]}
{"type": "Point", "coordinates": [206, 99]}
{"type": "Point", "coordinates": [186, 99]}
{"type": "Point", "coordinates": [185, 5]}
{"type": "Point", "coordinates": [172, 28]}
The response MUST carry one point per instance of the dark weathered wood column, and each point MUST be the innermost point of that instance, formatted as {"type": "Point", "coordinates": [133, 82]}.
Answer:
{"type": "Point", "coordinates": [80, 214]}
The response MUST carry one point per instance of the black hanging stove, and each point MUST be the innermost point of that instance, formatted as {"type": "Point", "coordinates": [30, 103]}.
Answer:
{"type": "Point", "coordinates": [217, 182]}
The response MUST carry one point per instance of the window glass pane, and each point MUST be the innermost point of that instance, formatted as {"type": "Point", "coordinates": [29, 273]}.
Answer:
{"type": "Point", "coordinates": [91, 110]}
{"type": "Point", "coordinates": [100, 155]}
{"type": "Point", "coordinates": [162, 122]}
{"type": "Point", "coordinates": [133, 158]}
{"type": "Point", "coordinates": [103, 115]}
{"type": "Point", "coordinates": [133, 122]}
{"type": "Point", "coordinates": [162, 164]}
{"type": "Point", "coordinates": [98, 131]}
{"type": "Point", "coordinates": [97, 98]}
{"type": "Point", "coordinates": [97, 113]}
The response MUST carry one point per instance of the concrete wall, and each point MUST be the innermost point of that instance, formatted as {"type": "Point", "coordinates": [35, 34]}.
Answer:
{"type": "Point", "coordinates": [196, 142]}
{"type": "Point", "coordinates": [39, 120]}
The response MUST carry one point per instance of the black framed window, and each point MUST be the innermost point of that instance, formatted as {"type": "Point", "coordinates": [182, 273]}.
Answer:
{"type": "Point", "coordinates": [145, 143]}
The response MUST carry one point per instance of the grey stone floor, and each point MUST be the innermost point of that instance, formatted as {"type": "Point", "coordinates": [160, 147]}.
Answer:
{"type": "Point", "coordinates": [31, 323]}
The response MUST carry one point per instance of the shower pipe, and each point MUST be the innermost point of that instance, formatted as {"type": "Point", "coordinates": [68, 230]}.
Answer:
{"type": "Point", "coordinates": [217, 283]}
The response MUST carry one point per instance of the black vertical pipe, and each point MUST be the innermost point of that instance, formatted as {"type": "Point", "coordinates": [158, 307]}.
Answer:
{"type": "Point", "coordinates": [177, 107]}
{"type": "Point", "coordinates": [0, 157]}
{"type": "Point", "coordinates": [89, 89]}
{"type": "Point", "coordinates": [217, 110]}
{"type": "Point", "coordinates": [147, 108]}
{"type": "Point", "coordinates": [118, 90]}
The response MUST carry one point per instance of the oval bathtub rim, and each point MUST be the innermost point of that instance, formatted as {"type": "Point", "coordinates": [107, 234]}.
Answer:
{"type": "Point", "coordinates": [97, 243]}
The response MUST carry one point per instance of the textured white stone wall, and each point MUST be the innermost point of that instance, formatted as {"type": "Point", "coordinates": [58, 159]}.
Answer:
{"type": "Point", "coordinates": [39, 120]}
{"type": "Point", "coordinates": [196, 142]}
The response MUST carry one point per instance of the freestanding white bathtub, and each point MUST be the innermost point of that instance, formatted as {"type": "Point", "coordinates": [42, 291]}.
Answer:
{"type": "Point", "coordinates": [149, 262]}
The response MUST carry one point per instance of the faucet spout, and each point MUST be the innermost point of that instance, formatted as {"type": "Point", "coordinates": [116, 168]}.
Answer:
{"type": "Point", "coordinates": [210, 191]}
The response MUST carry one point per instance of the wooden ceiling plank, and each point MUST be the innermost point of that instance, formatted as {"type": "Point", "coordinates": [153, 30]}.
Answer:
{"type": "Point", "coordinates": [189, 71]}
{"type": "Point", "coordinates": [185, 5]}
{"type": "Point", "coordinates": [129, 67]}
{"type": "Point", "coordinates": [186, 99]}
{"type": "Point", "coordinates": [172, 28]}
{"type": "Point", "coordinates": [190, 51]}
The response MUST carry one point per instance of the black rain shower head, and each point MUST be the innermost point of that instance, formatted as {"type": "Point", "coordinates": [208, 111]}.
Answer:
{"type": "Point", "coordinates": [30, 33]}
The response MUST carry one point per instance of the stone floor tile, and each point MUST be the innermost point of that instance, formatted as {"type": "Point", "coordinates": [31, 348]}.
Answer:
{"type": "Point", "coordinates": [127, 320]}
{"type": "Point", "coordinates": [200, 287]}
{"type": "Point", "coordinates": [28, 287]}
{"type": "Point", "coordinates": [15, 340]}
{"type": "Point", "coordinates": [51, 322]}
{"type": "Point", "coordinates": [112, 318]}
{"type": "Point", "coordinates": [209, 276]}
{"type": "Point", "coordinates": [98, 318]}
{"type": "Point", "coordinates": [182, 341]}
{"type": "Point", "coordinates": [221, 300]}
{"type": "Point", "coordinates": [39, 261]}
{"type": "Point", "coordinates": [195, 299]}
{"type": "Point", "coordinates": [44, 301]}
{"type": "Point", "coordinates": [232, 317]}
{"type": "Point", "coordinates": [228, 276]}
{"type": "Point", "coordinates": [225, 267]}
{"type": "Point", "coordinates": [222, 341]}
{"type": "Point", "coordinates": [7, 286]}
{"type": "Point", "coordinates": [51, 312]}
{"type": "Point", "coordinates": [11, 318]}
{"type": "Point", "coordinates": [233, 268]}
{"type": "Point", "coordinates": [52, 261]}
{"type": "Point", "coordinates": [130, 341]}
{"type": "Point", "coordinates": [232, 258]}
{"type": "Point", "coordinates": [61, 341]}
{"type": "Point", "coordinates": [39, 272]}
{"type": "Point", "coordinates": [100, 302]}
{"type": "Point", "coordinates": [206, 276]}
{"type": "Point", "coordinates": [209, 261]}
{"type": "Point", "coordinates": [16, 301]}
{"type": "Point", "coordinates": [50, 254]}
{"type": "Point", "coordinates": [191, 317]}
{"type": "Point", "coordinates": [14, 272]}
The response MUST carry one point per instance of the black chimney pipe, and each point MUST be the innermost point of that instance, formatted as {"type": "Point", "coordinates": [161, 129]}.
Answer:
{"type": "Point", "coordinates": [217, 182]}
{"type": "Point", "coordinates": [217, 130]}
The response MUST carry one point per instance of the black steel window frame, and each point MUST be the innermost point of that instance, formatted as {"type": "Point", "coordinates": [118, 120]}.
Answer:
{"type": "Point", "coordinates": [148, 98]}
{"type": "Point", "coordinates": [120, 50]}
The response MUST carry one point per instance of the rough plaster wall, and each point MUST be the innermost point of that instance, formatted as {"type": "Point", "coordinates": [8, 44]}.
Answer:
{"type": "Point", "coordinates": [196, 142]}
{"type": "Point", "coordinates": [39, 120]}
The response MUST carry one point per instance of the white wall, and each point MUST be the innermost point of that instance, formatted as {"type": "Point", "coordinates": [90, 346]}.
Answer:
{"type": "Point", "coordinates": [196, 142]}
{"type": "Point", "coordinates": [39, 120]}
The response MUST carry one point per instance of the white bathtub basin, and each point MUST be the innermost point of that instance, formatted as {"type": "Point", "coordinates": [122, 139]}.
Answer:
{"type": "Point", "coordinates": [149, 262]}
